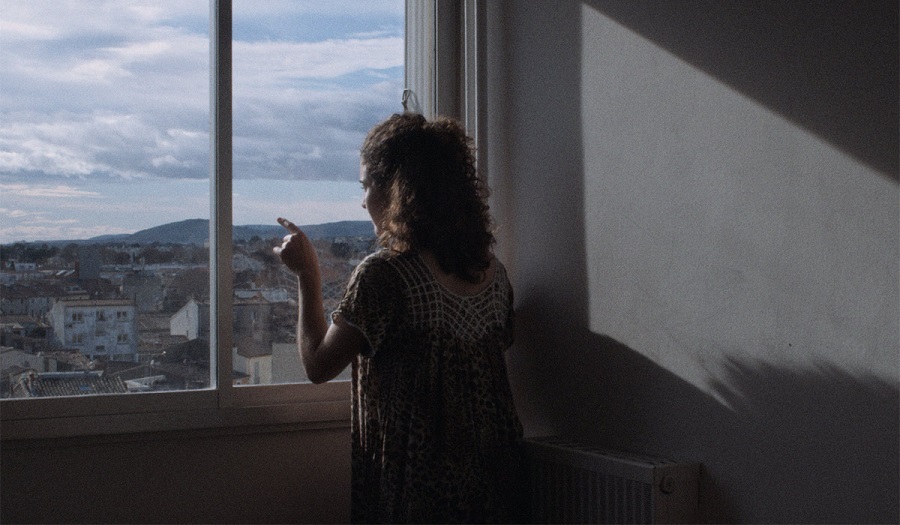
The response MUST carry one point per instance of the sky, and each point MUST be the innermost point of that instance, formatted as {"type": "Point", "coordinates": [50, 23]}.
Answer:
{"type": "Point", "coordinates": [104, 111]}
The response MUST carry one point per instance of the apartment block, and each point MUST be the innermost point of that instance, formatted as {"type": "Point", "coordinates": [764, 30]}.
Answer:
{"type": "Point", "coordinates": [103, 329]}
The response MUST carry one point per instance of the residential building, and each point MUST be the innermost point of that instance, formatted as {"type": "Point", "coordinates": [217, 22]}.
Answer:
{"type": "Point", "coordinates": [33, 298]}
{"type": "Point", "coordinates": [145, 289]}
{"type": "Point", "coordinates": [99, 329]}
{"type": "Point", "coordinates": [191, 321]}
{"type": "Point", "coordinates": [25, 333]}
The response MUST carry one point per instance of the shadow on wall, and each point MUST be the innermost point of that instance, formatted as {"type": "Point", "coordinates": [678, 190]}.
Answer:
{"type": "Point", "coordinates": [820, 64]}
{"type": "Point", "coordinates": [826, 441]}
{"type": "Point", "coordinates": [776, 445]}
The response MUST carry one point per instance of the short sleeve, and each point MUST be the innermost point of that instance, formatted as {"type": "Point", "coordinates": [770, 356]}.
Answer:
{"type": "Point", "coordinates": [373, 302]}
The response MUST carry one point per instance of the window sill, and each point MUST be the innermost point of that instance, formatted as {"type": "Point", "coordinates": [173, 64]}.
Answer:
{"type": "Point", "coordinates": [322, 406]}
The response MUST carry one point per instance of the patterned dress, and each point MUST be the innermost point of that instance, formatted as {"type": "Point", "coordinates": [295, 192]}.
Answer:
{"type": "Point", "coordinates": [435, 434]}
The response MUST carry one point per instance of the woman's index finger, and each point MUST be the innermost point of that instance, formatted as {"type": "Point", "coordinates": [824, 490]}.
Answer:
{"type": "Point", "coordinates": [290, 226]}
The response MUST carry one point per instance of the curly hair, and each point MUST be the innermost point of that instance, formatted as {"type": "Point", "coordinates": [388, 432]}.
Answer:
{"type": "Point", "coordinates": [436, 201]}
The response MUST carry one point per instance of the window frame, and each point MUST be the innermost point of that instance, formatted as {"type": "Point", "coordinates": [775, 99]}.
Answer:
{"type": "Point", "coordinates": [443, 69]}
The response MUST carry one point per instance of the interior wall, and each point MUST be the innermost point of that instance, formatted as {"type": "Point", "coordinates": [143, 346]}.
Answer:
{"type": "Point", "coordinates": [252, 475]}
{"type": "Point", "coordinates": [698, 204]}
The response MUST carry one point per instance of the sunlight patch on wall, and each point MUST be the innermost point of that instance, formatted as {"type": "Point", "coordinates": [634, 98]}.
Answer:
{"type": "Point", "coordinates": [714, 226]}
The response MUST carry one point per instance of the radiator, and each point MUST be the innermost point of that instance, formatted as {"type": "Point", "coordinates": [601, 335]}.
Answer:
{"type": "Point", "coordinates": [573, 483]}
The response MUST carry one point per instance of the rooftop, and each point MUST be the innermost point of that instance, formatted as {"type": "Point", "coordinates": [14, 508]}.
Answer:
{"type": "Point", "coordinates": [97, 302]}
{"type": "Point", "coordinates": [56, 384]}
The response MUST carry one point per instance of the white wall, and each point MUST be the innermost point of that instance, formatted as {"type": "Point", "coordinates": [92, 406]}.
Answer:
{"type": "Point", "coordinates": [698, 204]}
{"type": "Point", "coordinates": [186, 321]}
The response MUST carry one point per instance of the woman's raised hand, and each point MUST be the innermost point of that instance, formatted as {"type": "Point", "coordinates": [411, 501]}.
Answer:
{"type": "Point", "coordinates": [296, 252]}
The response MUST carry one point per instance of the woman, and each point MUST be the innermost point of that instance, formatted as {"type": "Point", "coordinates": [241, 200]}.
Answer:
{"type": "Point", "coordinates": [424, 322]}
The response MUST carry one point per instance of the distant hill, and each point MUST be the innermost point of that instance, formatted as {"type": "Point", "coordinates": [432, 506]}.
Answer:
{"type": "Point", "coordinates": [191, 231]}
{"type": "Point", "coordinates": [313, 231]}
{"type": "Point", "coordinates": [196, 231]}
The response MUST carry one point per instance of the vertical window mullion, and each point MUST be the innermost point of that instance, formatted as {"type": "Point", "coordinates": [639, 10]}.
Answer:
{"type": "Point", "coordinates": [434, 55]}
{"type": "Point", "coordinates": [220, 228]}
{"type": "Point", "coordinates": [474, 72]}
{"type": "Point", "coordinates": [420, 55]}
{"type": "Point", "coordinates": [447, 59]}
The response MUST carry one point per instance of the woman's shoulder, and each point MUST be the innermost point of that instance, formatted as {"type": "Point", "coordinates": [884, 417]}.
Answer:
{"type": "Point", "coordinates": [374, 262]}
{"type": "Point", "coordinates": [500, 273]}
{"type": "Point", "coordinates": [382, 265]}
{"type": "Point", "coordinates": [385, 257]}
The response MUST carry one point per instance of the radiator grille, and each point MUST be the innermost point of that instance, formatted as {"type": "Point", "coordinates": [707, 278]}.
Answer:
{"type": "Point", "coordinates": [574, 483]}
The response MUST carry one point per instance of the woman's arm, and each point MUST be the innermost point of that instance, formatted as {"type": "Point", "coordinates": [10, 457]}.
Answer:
{"type": "Point", "coordinates": [325, 351]}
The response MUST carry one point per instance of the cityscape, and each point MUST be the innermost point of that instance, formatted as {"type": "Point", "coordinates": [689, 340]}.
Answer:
{"type": "Point", "coordinates": [105, 133]}
{"type": "Point", "coordinates": [130, 313]}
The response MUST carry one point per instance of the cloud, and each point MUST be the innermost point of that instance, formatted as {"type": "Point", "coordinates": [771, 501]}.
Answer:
{"type": "Point", "coordinates": [54, 232]}
{"type": "Point", "coordinates": [318, 8]}
{"type": "Point", "coordinates": [123, 93]}
{"type": "Point", "coordinates": [13, 214]}
{"type": "Point", "coordinates": [115, 93]}
{"type": "Point", "coordinates": [44, 192]}
{"type": "Point", "coordinates": [277, 62]}
{"type": "Point", "coordinates": [19, 31]}
{"type": "Point", "coordinates": [71, 146]}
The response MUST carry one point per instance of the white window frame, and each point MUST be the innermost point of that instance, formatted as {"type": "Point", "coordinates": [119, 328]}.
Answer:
{"type": "Point", "coordinates": [444, 50]}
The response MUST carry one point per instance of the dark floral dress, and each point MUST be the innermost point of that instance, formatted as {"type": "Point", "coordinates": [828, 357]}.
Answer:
{"type": "Point", "coordinates": [435, 434]}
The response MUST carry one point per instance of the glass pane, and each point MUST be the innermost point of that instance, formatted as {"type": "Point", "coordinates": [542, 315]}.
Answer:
{"type": "Point", "coordinates": [104, 196]}
{"type": "Point", "coordinates": [310, 79]}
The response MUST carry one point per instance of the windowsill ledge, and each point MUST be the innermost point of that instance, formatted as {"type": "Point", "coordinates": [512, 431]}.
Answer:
{"type": "Point", "coordinates": [307, 411]}
{"type": "Point", "coordinates": [237, 420]}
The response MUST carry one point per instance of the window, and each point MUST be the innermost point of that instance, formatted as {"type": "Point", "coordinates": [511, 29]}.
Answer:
{"type": "Point", "coordinates": [273, 160]}
{"type": "Point", "coordinates": [308, 82]}
{"type": "Point", "coordinates": [104, 132]}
